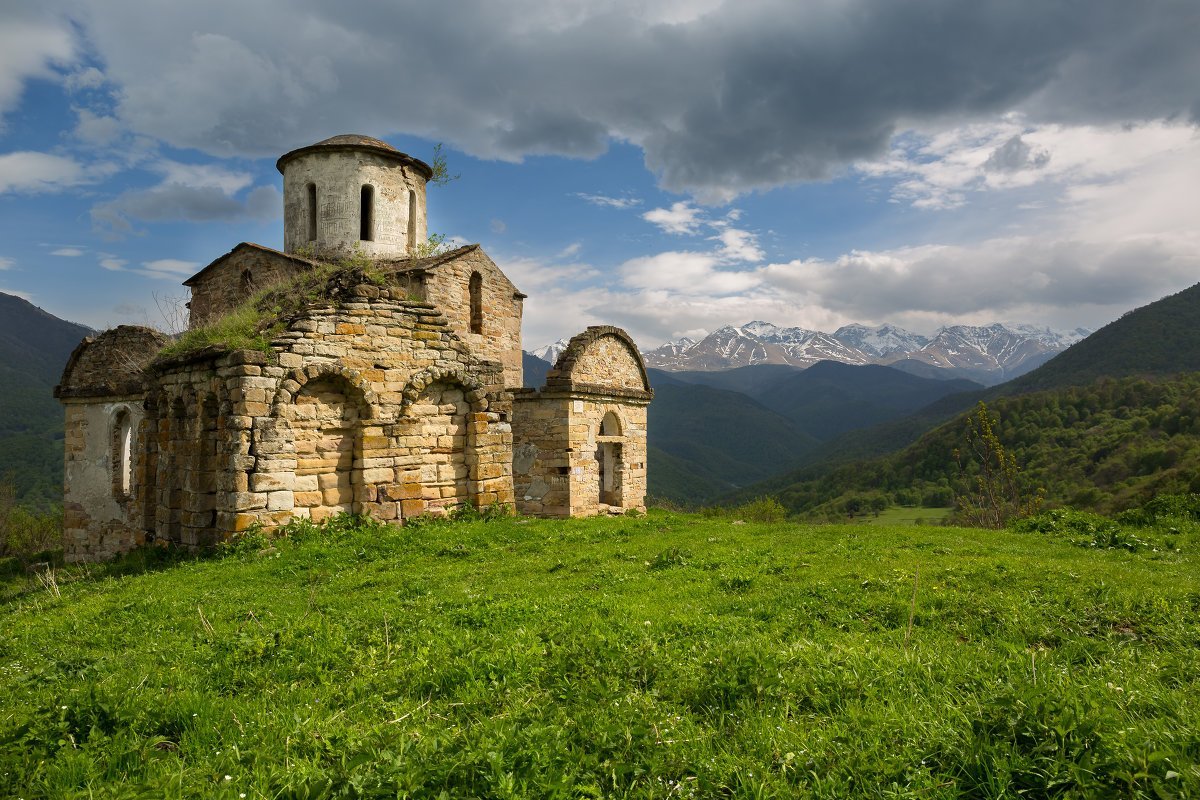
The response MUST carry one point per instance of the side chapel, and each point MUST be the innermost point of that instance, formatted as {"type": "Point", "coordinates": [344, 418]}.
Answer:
{"type": "Point", "coordinates": [393, 398]}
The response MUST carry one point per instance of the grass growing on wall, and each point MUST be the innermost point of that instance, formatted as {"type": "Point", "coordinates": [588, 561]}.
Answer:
{"type": "Point", "coordinates": [262, 316]}
{"type": "Point", "coordinates": [247, 327]}
{"type": "Point", "coordinates": [664, 656]}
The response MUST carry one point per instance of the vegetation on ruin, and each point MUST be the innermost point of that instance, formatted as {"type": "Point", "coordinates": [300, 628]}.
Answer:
{"type": "Point", "coordinates": [265, 314]}
{"type": "Point", "coordinates": [660, 656]}
{"type": "Point", "coordinates": [435, 245]}
{"type": "Point", "coordinates": [440, 167]}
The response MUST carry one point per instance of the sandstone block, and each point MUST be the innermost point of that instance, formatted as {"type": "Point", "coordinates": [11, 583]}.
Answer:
{"type": "Point", "coordinates": [378, 475]}
{"type": "Point", "coordinates": [308, 483]}
{"type": "Point", "coordinates": [246, 501]}
{"type": "Point", "coordinates": [272, 481]}
{"type": "Point", "coordinates": [280, 501]}
{"type": "Point", "coordinates": [339, 495]}
{"type": "Point", "coordinates": [306, 499]}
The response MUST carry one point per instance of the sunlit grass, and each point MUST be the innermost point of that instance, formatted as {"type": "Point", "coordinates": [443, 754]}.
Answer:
{"type": "Point", "coordinates": [661, 656]}
{"type": "Point", "coordinates": [905, 515]}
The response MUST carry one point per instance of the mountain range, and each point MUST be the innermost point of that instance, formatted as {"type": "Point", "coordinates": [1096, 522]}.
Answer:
{"type": "Point", "coordinates": [1106, 424]}
{"type": "Point", "coordinates": [988, 354]}
{"type": "Point", "coordinates": [712, 432]}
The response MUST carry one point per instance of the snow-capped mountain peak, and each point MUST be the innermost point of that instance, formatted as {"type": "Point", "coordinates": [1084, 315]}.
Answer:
{"type": "Point", "coordinates": [551, 352]}
{"type": "Point", "coordinates": [984, 352]}
{"type": "Point", "coordinates": [880, 341]}
{"type": "Point", "coordinates": [1049, 336]}
{"type": "Point", "coordinates": [761, 329]}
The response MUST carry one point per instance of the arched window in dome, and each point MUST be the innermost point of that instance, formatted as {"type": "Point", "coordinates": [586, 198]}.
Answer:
{"type": "Point", "coordinates": [311, 209]}
{"type": "Point", "coordinates": [366, 213]}
{"type": "Point", "coordinates": [412, 221]}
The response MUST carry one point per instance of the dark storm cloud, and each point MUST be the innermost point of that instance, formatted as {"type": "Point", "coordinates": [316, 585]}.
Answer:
{"type": "Point", "coordinates": [746, 95]}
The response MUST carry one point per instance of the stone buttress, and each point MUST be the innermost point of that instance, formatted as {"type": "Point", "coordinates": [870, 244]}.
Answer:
{"type": "Point", "coordinates": [103, 392]}
{"type": "Point", "coordinates": [580, 441]}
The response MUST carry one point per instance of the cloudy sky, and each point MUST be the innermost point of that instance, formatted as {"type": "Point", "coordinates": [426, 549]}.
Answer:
{"type": "Point", "coordinates": [669, 167]}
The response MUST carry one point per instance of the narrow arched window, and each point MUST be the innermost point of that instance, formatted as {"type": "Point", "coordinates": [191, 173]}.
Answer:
{"type": "Point", "coordinates": [122, 455]}
{"type": "Point", "coordinates": [312, 212]}
{"type": "Point", "coordinates": [476, 291]}
{"type": "Point", "coordinates": [610, 425]}
{"type": "Point", "coordinates": [366, 213]}
{"type": "Point", "coordinates": [412, 221]}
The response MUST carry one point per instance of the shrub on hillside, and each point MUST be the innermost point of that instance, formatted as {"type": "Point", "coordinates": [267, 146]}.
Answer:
{"type": "Point", "coordinates": [1163, 508]}
{"type": "Point", "coordinates": [992, 491]}
{"type": "Point", "coordinates": [762, 509]}
{"type": "Point", "coordinates": [26, 534]}
{"type": "Point", "coordinates": [1081, 528]}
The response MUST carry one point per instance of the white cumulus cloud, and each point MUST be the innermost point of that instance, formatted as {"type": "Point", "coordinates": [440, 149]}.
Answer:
{"type": "Point", "coordinates": [31, 171]}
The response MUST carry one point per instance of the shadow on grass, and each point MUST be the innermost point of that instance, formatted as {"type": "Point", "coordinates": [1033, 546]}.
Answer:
{"type": "Point", "coordinates": [19, 577]}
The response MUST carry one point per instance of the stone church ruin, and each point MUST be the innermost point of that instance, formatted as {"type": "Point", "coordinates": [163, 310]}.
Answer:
{"type": "Point", "coordinates": [387, 383]}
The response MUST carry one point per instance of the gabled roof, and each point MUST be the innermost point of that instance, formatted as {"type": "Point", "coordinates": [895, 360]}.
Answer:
{"type": "Point", "coordinates": [425, 264]}
{"type": "Point", "coordinates": [430, 263]}
{"type": "Point", "coordinates": [352, 141]}
{"type": "Point", "coordinates": [308, 262]}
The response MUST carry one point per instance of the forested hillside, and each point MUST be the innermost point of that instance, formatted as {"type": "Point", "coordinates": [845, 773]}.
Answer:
{"type": "Point", "coordinates": [1162, 338]}
{"type": "Point", "coordinates": [706, 441]}
{"type": "Point", "coordinates": [1106, 447]}
{"type": "Point", "coordinates": [34, 347]}
{"type": "Point", "coordinates": [716, 441]}
{"type": "Point", "coordinates": [830, 398]}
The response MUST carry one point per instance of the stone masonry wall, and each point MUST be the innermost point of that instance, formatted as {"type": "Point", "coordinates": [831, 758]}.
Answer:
{"type": "Point", "coordinates": [448, 286]}
{"type": "Point", "coordinates": [558, 448]}
{"type": "Point", "coordinates": [187, 463]}
{"type": "Point", "coordinates": [429, 426]}
{"type": "Point", "coordinates": [586, 414]}
{"type": "Point", "coordinates": [541, 459]}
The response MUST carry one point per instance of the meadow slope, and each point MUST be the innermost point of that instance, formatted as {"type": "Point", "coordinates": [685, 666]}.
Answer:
{"type": "Point", "coordinates": [663, 656]}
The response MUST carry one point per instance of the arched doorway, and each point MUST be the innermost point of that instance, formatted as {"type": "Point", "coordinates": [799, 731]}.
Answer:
{"type": "Point", "coordinates": [608, 457]}
{"type": "Point", "coordinates": [324, 421]}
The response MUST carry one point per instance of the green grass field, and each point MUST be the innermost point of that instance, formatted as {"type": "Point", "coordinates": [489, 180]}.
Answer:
{"type": "Point", "coordinates": [660, 657]}
{"type": "Point", "coordinates": [906, 515]}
